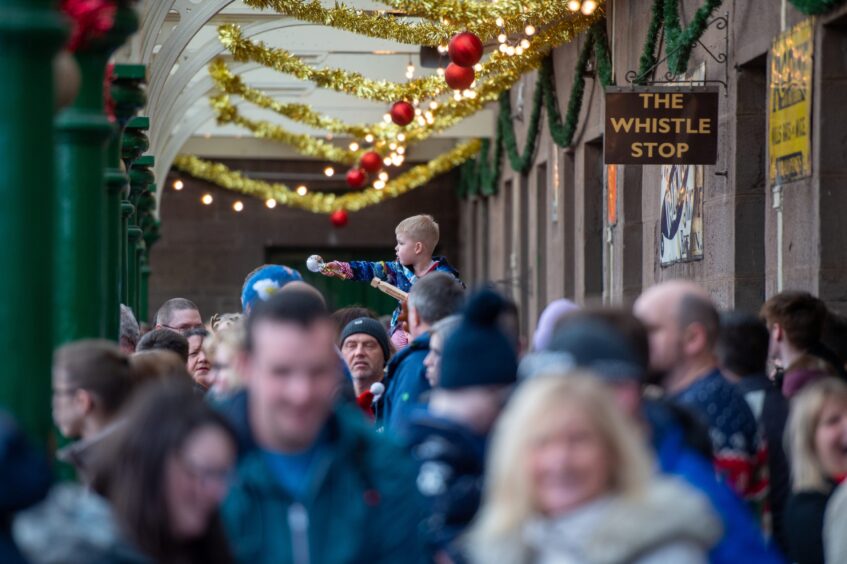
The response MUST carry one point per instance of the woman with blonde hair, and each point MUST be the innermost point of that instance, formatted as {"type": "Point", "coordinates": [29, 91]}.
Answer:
{"type": "Point", "coordinates": [817, 443]}
{"type": "Point", "coordinates": [569, 480]}
{"type": "Point", "coordinates": [222, 349]}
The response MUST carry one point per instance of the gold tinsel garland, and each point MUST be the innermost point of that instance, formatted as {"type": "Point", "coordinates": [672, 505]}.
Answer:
{"type": "Point", "coordinates": [304, 144]}
{"type": "Point", "coordinates": [382, 90]}
{"type": "Point", "coordinates": [480, 15]}
{"type": "Point", "coordinates": [317, 202]}
{"type": "Point", "coordinates": [455, 15]}
{"type": "Point", "coordinates": [370, 24]}
{"type": "Point", "coordinates": [444, 116]}
{"type": "Point", "coordinates": [302, 113]}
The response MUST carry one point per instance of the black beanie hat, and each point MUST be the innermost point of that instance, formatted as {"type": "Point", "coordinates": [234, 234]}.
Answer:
{"type": "Point", "coordinates": [370, 327]}
{"type": "Point", "coordinates": [478, 353]}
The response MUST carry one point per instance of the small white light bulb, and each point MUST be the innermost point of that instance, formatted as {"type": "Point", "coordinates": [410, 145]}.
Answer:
{"type": "Point", "coordinates": [588, 7]}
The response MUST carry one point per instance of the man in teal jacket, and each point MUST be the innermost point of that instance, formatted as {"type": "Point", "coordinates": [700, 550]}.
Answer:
{"type": "Point", "coordinates": [314, 484]}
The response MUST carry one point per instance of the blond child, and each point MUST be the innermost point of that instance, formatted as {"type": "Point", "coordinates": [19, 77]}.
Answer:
{"type": "Point", "coordinates": [417, 237]}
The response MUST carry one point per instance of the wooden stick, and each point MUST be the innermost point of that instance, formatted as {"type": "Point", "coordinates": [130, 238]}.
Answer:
{"type": "Point", "coordinates": [389, 289]}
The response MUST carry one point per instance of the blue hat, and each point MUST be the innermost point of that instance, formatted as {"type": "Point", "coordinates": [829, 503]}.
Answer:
{"type": "Point", "coordinates": [264, 282]}
{"type": "Point", "coordinates": [478, 353]}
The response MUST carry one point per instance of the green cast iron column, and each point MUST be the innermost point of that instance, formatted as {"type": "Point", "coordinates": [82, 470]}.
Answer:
{"type": "Point", "coordinates": [135, 142]}
{"type": "Point", "coordinates": [140, 178]}
{"type": "Point", "coordinates": [82, 132]}
{"type": "Point", "coordinates": [128, 97]}
{"type": "Point", "coordinates": [150, 227]}
{"type": "Point", "coordinates": [127, 209]}
{"type": "Point", "coordinates": [144, 291]}
{"type": "Point", "coordinates": [140, 251]}
{"type": "Point", "coordinates": [135, 235]}
{"type": "Point", "coordinates": [31, 32]}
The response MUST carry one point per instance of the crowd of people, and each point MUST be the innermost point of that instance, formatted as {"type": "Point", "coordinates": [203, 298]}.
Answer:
{"type": "Point", "coordinates": [669, 433]}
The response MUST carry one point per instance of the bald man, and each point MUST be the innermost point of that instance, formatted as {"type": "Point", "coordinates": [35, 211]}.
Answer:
{"type": "Point", "coordinates": [682, 323]}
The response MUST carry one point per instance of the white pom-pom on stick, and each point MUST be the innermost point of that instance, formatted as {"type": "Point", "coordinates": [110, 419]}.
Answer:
{"type": "Point", "coordinates": [377, 389]}
{"type": "Point", "coordinates": [315, 263]}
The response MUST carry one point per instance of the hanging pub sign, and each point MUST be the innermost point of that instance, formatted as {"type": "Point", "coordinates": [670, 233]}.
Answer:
{"type": "Point", "coordinates": [790, 116]}
{"type": "Point", "coordinates": [661, 125]}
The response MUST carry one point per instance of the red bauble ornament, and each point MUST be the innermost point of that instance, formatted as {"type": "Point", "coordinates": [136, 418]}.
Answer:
{"type": "Point", "coordinates": [371, 162]}
{"type": "Point", "coordinates": [338, 218]}
{"type": "Point", "coordinates": [458, 78]}
{"type": "Point", "coordinates": [465, 49]}
{"type": "Point", "coordinates": [356, 178]}
{"type": "Point", "coordinates": [402, 113]}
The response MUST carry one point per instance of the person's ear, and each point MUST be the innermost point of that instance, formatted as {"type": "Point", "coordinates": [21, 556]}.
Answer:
{"type": "Point", "coordinates": [243, 365]}
{"type": "Point", "coordinates": [419, 248]}
{"type": "Point", "coordinates": [414, 319]}
{"type": "Point", "coordinates": [694, 340]}
{"type": "Point", "coordinates": [778, 332]}
{"type": "Point", "coordinates": [84, 401]}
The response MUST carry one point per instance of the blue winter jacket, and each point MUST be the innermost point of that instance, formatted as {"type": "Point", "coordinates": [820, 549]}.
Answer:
{"type": "Point", "coordinates": [742, 539]}
{"type": "Point", "coordinates": [397, 275]}
{"type": "Point", "coordinates": [405, 383]}
{"type": "Point", "coordinates": [361, 504]}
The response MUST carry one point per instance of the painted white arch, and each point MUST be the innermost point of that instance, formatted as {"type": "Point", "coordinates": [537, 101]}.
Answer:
{"type": "Point", "coordinates": [176, 98]}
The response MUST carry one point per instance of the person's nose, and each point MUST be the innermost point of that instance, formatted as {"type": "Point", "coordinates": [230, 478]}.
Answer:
{"type": "Point", "coordinates": [300, 389]}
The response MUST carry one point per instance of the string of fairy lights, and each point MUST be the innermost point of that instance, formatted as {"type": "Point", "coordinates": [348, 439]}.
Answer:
{"type": "Point", "coordinates": [421, 106]}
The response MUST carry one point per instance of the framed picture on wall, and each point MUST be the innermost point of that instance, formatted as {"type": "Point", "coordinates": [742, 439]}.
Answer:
{"type": "Point", "coordinates": [681, 214]}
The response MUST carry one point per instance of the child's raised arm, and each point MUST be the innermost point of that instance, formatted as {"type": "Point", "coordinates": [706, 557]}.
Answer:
{"type": "Point", "coordinates": [363, 271]}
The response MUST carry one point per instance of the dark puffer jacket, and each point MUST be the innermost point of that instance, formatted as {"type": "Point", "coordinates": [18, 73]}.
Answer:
{"type": "Point", "coordinates": [451, 465]}
{"type": "Point", "coordinates": [24, 481]}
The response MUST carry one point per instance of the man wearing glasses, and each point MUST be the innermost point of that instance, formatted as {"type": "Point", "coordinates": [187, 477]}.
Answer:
{"type": "Point", "coordinates": [178, 314]}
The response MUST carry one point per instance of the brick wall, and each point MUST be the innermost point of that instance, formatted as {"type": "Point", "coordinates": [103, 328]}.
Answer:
{"type": "Point", "coordinates": [205, 251]}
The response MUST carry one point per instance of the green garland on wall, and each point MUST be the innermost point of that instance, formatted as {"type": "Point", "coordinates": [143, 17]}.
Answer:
{"type": "Point", "coordinates": [813, 7]}
{"type": "Point", "coordinates": [478, 174]}
{"type": "Point", "coordinates": [679, 42]}
{"type": "Point", "coordinates": [521, 161]}
{"type": "Point", "coordinates": [481, 175]}
{"type": "Point", "coordinates": [563, 131]}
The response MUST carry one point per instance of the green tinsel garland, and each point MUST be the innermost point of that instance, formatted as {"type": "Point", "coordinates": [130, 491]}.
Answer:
{"type": "Point", "coordinates": [648, 54]}
{"type": "Point", "coordinates": [812, 7]}
{"type": "Point", "coordinates": [481, 175]}
{"type": "Point", "coordinates": [521, 161]}
{"type": "Point", "coordinates": [563, 132]}
{"type": "Point", "coordinates": [679, 42]}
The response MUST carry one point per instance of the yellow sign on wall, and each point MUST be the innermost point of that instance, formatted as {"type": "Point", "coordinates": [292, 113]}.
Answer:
{"type": "Point", "coordinates": [790, 118]}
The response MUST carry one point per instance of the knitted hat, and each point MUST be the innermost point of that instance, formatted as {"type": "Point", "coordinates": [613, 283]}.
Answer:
{"type": "Point", "coordinates": [478, 353]}
{"type": "Point", "coordinates": [264, 282]}
{"type": "Point", "coordinates": [599, 347]}
{"type": "Point", "coordinates": [371, 327]}
{"type": "Point", "coordinates": [551, 315]}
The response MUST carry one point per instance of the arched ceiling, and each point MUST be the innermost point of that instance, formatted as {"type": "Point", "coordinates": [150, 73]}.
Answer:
{"type": "Point", "coordinates": [178, 39]}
